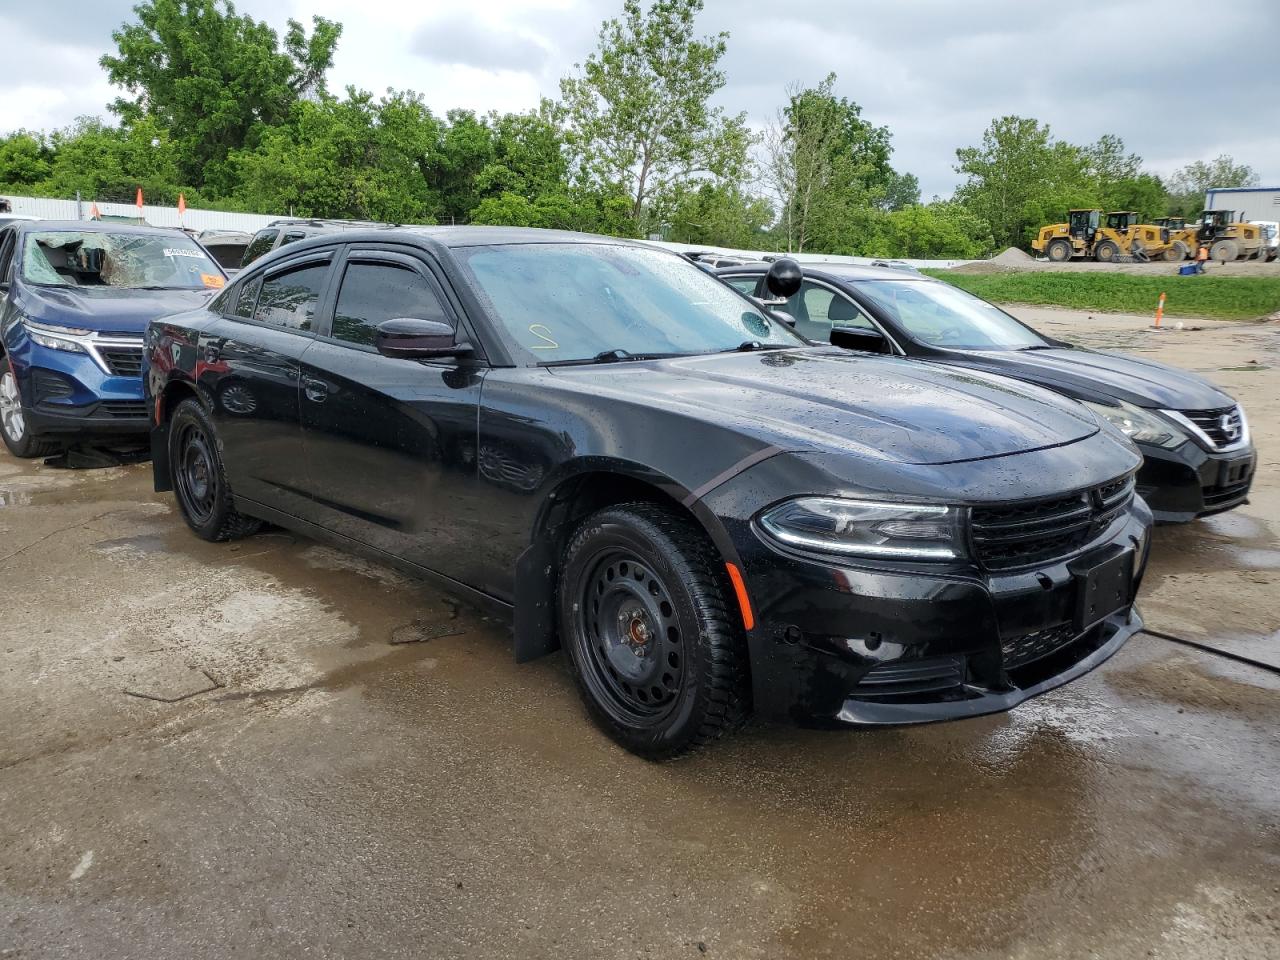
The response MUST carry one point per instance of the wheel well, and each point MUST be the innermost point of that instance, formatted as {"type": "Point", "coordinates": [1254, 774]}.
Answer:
{"type": "Point", "coordinates": [173, 394]}
{"type": "Point", "coordinates": [537, 570]}
{"type": "Point", "coordinates": [175, 391]}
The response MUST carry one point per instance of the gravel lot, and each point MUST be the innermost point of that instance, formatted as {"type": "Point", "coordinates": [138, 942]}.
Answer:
{"type": "Point", "coordinates": [338, 791]}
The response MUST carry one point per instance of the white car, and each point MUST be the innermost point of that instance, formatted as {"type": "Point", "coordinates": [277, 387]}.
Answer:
{"type": "Point", "coordinates": [1270, 237]}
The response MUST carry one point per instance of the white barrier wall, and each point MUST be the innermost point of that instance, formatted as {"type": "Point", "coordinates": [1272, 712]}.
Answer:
{"type": "Point", "coordinates": [49, 209]}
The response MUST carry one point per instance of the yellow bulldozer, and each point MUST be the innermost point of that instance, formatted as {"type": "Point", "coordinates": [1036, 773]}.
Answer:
{"type": "Point", "coordinates": [1228, 238]}
{"type": "Point", "coordinates": [1182, 237]}
{"type": "Point", "coordinates": [1088, 236]}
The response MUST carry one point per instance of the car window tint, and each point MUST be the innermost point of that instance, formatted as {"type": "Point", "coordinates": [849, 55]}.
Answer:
{"type": "Point", "coordinates": [259, 245]}
{"type": "Point", "coordinates": [745, 284]}
{"type": "Point", "coordinates": [374, 292]}
{"type": "Point", "coordinates": [817, 309]}
{"type": "Point", "coordinates": [247, 297]}
{"type": "Point", "coordinates": [292, 236]}
{"type": "Point", "coordinates": [6, 253]}
{"type": "Point", "coordinates": [289, 299]}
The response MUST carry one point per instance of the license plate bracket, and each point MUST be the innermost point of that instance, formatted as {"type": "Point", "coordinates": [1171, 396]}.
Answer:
{"type": "Point", "coordinates": [1102, 588]}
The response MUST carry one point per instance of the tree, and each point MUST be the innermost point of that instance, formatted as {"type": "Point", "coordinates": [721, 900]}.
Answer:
{"type": "Point", "coordinates": [718, 215]}
{"type": "Point", "coordinates": [638, 111]}
{"type": "Point", "coordinates": [1189, 184]}
{"type": "Point", "coordinates": [213, 78]}
{"type": "Point", "coordinates": [939, 231]}
{"type": "Point", "coordinates": [24, 158]}
{"type": "Point", "coordinates": [829, 169]}
{"type": "Point", "coordinates": [902, 190]}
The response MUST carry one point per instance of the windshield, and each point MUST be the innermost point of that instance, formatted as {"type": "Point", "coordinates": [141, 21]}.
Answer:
{"type": "Point", "coordinates": [69, 258]}
{"type": "Point", "coordinates": [940, 315]}
{"type": "Point", "coordinates": [572, 301]}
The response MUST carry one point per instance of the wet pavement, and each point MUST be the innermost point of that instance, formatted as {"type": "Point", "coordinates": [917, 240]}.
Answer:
{"type": "Point", "coordinates": [366, 772]}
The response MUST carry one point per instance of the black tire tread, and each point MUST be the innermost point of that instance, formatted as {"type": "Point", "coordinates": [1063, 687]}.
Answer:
{"type": "Point", "coordinates": [233, 525]}
{"type": "Point", "coordinates": [727, 683]}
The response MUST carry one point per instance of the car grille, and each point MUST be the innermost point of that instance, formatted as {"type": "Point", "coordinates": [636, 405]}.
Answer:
{"type": "Point", "coordinates": [896, 678]}
{"type": "Point", "coordinates": [1033, 646]}
{"type": "Point", "coordinates": [1223, 427]}
{"type": "Point", "coordinates": [1021, 534]}
{"type": "Point", "coordinates": [122, 361]}
{"type": "Point", "coordinates": [123, 408]}
{"type": "Point", "coordinates": [1217, 496]}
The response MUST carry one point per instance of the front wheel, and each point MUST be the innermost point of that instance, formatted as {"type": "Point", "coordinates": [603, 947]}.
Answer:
{"type": "Point", "coordinates": [658, 654]}
{"type": "Point", "coordinates": [1106, 251]}
{"type": "Point", "coordinates": [1060, 251]}
{"type": "Point", "coordinates": [1177, 252]}
{"type": "Point", "coordinates": [199, 479]}
{"type": "Point", "coordinates": [1224, 251]}
{"type": "Point", "coordinates": [13, 419]}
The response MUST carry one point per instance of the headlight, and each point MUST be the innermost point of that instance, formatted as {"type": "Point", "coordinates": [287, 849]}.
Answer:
{"type": "Point", "coordinates": [71, 339]}
{"type": "Point", "coordinates": [864, 528]}
{"type": "Point", "coordinates": [1140, 426]}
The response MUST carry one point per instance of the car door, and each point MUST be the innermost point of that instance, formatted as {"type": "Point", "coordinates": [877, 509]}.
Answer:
{"type": "Point", "coordinates": [821, 309]}
{"type": "Point", "coordinates": [247, 361]}
{"type": "Point", "coordinates": [391, 442]}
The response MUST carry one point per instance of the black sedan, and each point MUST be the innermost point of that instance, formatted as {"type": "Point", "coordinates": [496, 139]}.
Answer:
{"type": "Point", "coordinates": [1194, 437]}
{"type": "Point", "coordinates": [637, 463]}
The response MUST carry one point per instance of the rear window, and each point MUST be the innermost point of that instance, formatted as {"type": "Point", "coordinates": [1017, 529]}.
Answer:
{"type": "Point", "coordinates": [259, 245]}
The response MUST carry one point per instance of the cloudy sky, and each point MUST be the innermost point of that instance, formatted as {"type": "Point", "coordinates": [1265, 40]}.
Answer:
{"type": "Point", "coordinates": [1179, 80]}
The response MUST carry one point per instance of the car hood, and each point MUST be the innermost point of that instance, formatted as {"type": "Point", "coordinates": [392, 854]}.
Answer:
{"type": "Point", "coordinates": [106, 309]}
{"type": "Point", "coordinates": [832, 399]}
{"type": "Point", "coordinates": [1098, 376]}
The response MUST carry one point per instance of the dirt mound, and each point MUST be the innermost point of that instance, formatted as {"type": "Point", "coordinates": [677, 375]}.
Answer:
{"type": "Point", "coordinates": [1014, 257]}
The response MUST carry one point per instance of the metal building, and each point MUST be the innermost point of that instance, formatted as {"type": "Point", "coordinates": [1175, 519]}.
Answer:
{"type": "Point", "coordinates": [1250, 203]}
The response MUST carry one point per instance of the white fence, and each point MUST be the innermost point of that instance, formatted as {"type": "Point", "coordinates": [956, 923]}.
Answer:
{"type": "Point", "coordinates": [803, 257]}
{"type": "Point", "coordinates": [48, 209]}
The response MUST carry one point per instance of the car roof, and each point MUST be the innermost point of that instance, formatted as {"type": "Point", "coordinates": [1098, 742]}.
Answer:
{"type": "Point", "coordinates": [832, 271]}
{"type": "Point", "coordinates": [453, 237]}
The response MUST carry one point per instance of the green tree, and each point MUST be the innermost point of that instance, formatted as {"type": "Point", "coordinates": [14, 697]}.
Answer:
{"type": "Point", "coordinates": [638, 111]}
{"type": "Point", "coordinates": [718, 215]}
{"type": "Point", "coordinates": [24, 158]}
{"type": "Point", "coordinates": [1189, 184]}
{"type": "Point", "coordinates": [528, 154]}
{"type": "Point", "coordinates": [901, 191]}
{"type": "Point", "coordinates": [829, 169]}
{"type": "Point", "coordinates": [213, 78]}
{"type": "Point", "coordinates": [939, 231]}
{"type": "Point", "coordinates": [103, 162]}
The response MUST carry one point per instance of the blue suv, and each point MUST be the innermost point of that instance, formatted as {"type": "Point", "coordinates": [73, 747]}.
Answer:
{"type": "Point", "coordinates": [75, 299]}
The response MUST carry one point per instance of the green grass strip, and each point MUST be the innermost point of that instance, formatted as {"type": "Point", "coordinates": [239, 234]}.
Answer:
{"type": "Point", "coordinates": [1217, 298]}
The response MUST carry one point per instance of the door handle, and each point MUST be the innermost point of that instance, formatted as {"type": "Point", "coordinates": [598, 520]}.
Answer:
{"type": "Point", "coordinates": [316, 390]}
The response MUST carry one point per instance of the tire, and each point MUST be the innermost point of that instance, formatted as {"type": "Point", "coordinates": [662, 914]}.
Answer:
{"type": "Point", "coordinates": [656, 650]}
{"type": "Point", "coordinates": [199, 478]}
{"type": "Point", "coordinates": [1176, 253]}
{"type": "Point", "coordinates": [13, 420]}
{"type": "Point", "coordinates": [1224, 250]}
{"type": "Point", "coordinates": [1106, 251]}
{"type": "Point", "coordinates": [1059, 251]}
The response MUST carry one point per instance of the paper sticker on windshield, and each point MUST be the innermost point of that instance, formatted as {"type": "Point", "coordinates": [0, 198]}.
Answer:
{"type": "Point", "coordinates": [212, 280]}
{"type": "Point", "coordinates": [179, 252]}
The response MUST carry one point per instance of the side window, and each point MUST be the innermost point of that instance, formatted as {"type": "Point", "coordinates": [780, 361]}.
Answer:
{"type": "Point", "coordinates": [247, 298]}
{"type": "Point", "coordinates": [6, 252]}
{"type": "Point", "coordinates": [260, 244]}
{"type": "Point", "coordinates": [292, 236]}
{"type": "Point", "coordinates": [374, 292]}
{"type": "Point", "coordinates": [289, 299]}
{"type": "Point", "coordinates": [817, 309]}
{"type": "Point", "coordinates": [745, 285]}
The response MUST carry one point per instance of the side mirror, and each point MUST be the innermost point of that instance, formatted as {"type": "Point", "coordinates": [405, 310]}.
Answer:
{"type": "Point", "coordinates": [410, 338]}
{"type": "Point", "coordinates": [784, 278]}
{"type": "Point", "coordinates": [854, 338]}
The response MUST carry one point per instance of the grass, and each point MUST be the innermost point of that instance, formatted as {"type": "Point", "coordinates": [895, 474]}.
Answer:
{"type": "Point", "coordinates": [1216, 298]}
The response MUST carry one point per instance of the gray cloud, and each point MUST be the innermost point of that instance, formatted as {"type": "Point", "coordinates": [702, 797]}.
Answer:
{"type": "Point", "coordinates": [469, 43]}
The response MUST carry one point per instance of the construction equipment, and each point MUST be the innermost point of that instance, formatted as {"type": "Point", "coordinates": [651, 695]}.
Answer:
{"type": "Point", "coordinates": [1086, 235]}
{"type": "Point", "coordinates": [1182, 237]}
{"type": "Point", "coordinates": [1228, 238]}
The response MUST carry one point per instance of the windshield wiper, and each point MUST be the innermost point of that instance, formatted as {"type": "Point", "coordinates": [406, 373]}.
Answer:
{"type": "Point", "coordinates": [609, 356]}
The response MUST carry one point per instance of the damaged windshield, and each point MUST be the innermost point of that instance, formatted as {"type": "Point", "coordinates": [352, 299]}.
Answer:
{"type": "Point", "coordinates": [69, 258]}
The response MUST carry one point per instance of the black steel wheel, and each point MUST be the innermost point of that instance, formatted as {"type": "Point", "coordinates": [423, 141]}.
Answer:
{"type": "Point", "coordinates": [199, 480]}
{"type": "Point", "coordinates": [657, 654]}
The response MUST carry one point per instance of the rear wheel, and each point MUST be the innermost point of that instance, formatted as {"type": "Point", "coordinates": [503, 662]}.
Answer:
{"type": "Point", "coordinates": [13, 419]}
{"type": "Point", "coordinates": [1224, 250]}
{"type": "Point", "coordinates": [1060, 251]}
{"type": "Point", "coordinates": [656, 651]}
{"type": "Point", "coordinates": [199, 479]}
{"type": "Point", "coordinates": [1106, 251]}
{"type": "Point", "coordinates": [1177, 252]}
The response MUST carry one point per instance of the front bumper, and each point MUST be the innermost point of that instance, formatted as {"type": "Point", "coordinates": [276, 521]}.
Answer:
{"type": "Point", "coordinates": [70, 397]}
{"type": "Point", "coordinates": [1189, 482]}
{"type": "Point", "coordinates": [857, 644]}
